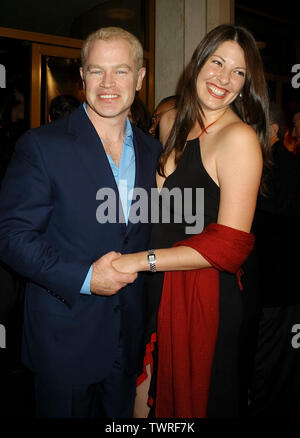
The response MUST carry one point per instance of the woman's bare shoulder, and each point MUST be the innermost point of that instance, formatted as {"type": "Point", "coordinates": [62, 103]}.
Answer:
{"type": "Point", "coordinates": [238, 137]}
{"type": "Point", "coordinates": [238, 128]}
{"type": "Point", "coordinates": [238, 152]}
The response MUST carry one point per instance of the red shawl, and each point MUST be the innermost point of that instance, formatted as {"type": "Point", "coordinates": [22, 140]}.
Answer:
{"type": "Point", "coordinates": [188, 322]}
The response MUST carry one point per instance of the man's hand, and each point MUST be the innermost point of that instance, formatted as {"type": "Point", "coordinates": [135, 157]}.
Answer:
{"type": "Point", "coordinates": [131, 263]}
{"type": "Point", "coordinates": [105, 279]}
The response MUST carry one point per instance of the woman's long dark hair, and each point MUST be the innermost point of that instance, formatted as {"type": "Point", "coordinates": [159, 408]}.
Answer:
{"type": "Point", "coordinates": [252, 107]}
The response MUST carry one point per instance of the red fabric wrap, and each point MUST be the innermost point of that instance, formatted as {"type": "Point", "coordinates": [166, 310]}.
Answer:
{"type": "Point", "coordinates": [148, 359]}
{"type": "Point", "coordinates": [188, 322]}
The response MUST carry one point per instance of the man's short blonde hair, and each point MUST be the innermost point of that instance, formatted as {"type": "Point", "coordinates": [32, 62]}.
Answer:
{"type": "Point", "coordinates": [113, 33]}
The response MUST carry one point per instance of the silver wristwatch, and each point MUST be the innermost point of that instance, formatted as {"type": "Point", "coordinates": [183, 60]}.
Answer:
{"type": "Point", "coordinates": [151, 260]}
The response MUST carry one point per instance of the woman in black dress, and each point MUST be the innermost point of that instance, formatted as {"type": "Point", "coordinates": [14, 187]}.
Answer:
{"type": "Point", "coordinates": [217, 141]}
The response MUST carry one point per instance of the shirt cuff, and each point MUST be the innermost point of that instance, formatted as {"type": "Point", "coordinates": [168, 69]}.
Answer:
{"type": "Point", "coordinates": [86, 287]}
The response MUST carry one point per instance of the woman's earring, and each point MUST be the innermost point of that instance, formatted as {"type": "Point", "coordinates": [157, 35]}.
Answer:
{"type": "Point", "coordinates": [240, 95]}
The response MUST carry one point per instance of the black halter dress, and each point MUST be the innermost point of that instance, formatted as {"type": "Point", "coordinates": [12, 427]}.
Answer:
{"type": "Point", "coordinates": [238, 310]}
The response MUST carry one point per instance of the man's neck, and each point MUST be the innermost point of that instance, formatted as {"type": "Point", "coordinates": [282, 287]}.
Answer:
{"type": "Point", "coordinates": [111, 131]}
{"type": "Point", "coordinates": [110, 128]}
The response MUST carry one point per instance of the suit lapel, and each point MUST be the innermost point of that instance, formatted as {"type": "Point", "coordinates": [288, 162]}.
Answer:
{"type": "Point", "coordinates": [90, 148]}
{"type": "Point", "coordinates": [91, 153]}
{"type": "Point", "coordinates": [92, 156]}
{"type": "Point", "coordinates": [141, 167]}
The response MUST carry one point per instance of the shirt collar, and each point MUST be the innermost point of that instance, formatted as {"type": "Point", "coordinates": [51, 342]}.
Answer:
{"type": "Point", "coordinates": [128, 129]}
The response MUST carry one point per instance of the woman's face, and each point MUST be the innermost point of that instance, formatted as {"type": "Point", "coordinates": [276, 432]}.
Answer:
{"type": "Point", "coordinates": [222, 77]}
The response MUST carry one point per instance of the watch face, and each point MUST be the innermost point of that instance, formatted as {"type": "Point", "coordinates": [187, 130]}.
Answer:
{"type": "Point", "coordinates": [151, 258]}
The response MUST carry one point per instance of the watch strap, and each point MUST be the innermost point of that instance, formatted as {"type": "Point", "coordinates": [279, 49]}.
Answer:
{"type": "Point", "coordinates": [151, 260]}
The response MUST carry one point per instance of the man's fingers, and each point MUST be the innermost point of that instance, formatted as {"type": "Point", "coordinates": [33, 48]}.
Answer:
{"type": "Point", "coordinates": [113, 255]}
{"type": "Point", "coordinates": [106, 280]}
{"type": "Point", "coordinates": [126, 278]}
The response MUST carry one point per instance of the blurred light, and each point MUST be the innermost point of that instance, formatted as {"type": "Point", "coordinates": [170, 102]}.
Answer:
{"type": "Point", "coordinates": [261, 44]}
{"type": "Point", "coordinates": [120, 14]}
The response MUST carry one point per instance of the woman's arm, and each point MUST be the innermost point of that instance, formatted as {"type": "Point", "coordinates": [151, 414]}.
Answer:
{"type": "Point", "coordinates": [180, 258]}
{"type": "Point", "coordinates": [239, 168]}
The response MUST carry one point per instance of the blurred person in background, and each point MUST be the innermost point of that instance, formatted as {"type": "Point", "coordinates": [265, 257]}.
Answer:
{"type": "Point", "coordinates": [291, 138]}
{"type": "Point", "coordinates": [139, 115]}
{"type": "Point", "coordinates": [62, 106]}
{"type": "Point", "coordinates": [275, 389]}
{"type": "Point", "coordinates": [164, 106]}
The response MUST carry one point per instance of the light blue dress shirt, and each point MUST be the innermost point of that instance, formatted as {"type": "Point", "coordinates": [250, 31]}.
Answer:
{"type": "Point", "coordinates": [125, 177]}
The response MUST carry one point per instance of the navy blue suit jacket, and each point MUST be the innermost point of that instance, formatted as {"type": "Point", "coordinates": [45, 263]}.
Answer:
{"type": "Point", "coordinates": [50, 235]}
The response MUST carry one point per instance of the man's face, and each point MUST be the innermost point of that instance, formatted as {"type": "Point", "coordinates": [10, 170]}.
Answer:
{"type": "Point", "coordinates": [111, 78]}
{"type": "Point", "coordinates": [296, 129]}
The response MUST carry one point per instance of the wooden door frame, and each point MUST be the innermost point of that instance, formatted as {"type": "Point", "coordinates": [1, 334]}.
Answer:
{"type": "Point", "coordinates": [40, 37]}
{"type": "Point", "coordinates": [37, 51]}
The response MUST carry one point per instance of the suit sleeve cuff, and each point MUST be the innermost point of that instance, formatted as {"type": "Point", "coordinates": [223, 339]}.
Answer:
{"type": "Point", "coordinates": [86, 287]}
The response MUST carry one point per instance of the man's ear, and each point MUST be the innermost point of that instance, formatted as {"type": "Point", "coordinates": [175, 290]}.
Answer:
{"type": "Point", "coordinates": [141, 75]}
{"type": "Point", "coordinates": [82, 76]}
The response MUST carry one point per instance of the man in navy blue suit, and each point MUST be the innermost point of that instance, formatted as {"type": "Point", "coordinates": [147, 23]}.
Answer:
{"type": "Point", "coordinates": [83, 320]}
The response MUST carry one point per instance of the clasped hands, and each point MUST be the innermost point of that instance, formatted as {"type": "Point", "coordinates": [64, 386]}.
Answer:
{"type": "Point", "coordinates": [112, 272]}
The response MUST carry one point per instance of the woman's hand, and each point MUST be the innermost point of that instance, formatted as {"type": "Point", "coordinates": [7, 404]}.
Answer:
{"type": "Point", "coordinates": [127, 263]}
